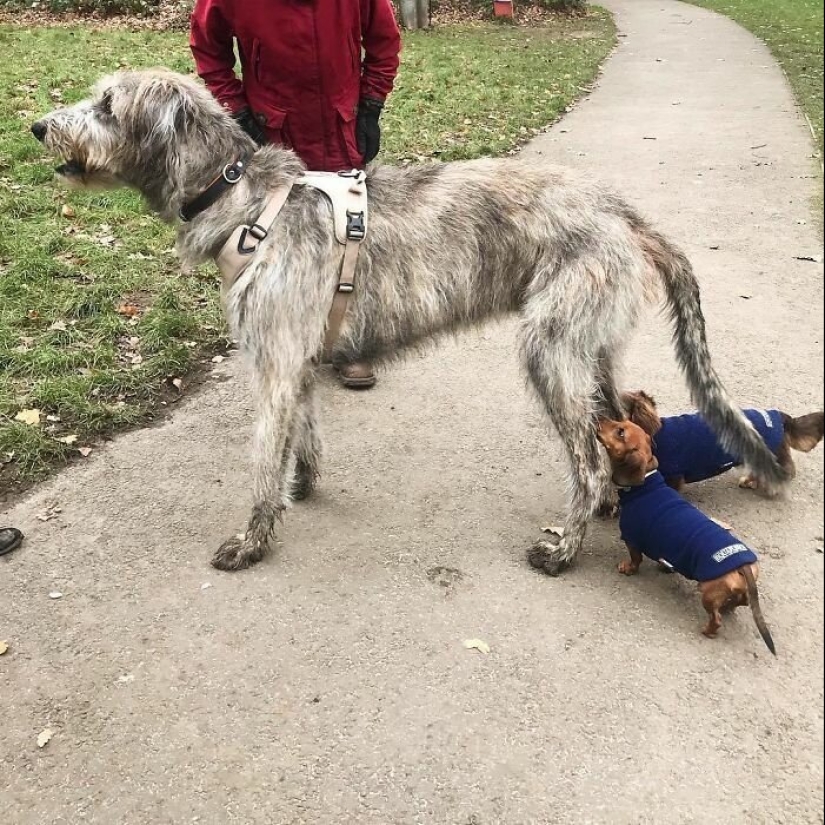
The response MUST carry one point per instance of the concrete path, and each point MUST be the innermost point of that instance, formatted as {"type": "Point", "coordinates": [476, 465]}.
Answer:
{"type": "Point", "coordinates": [330, 685]}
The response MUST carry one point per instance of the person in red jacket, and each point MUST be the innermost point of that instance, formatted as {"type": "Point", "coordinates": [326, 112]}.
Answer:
{"type": "Point", "coordinates": [315, 75]}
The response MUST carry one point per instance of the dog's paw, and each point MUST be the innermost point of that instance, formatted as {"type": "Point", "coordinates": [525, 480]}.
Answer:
{"type": "Point", "coordinates": [608, 510]}
{"type": "Point", "coordinates": [609, 505]}
{"type": "Point", "coordinates": [303, 485]}
{"type": "Point", "coordinates": [749, 483]}
{"type": "Point", "coordinates": [627, 568]}
{"type": "Point", "coordinates": [238, 553]}
{"type": "Point", "coordinates": [549, 556]}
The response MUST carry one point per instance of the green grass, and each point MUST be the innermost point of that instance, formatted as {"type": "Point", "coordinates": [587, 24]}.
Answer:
{"type": "Point", "coordinates": [793, 31]}
{"type": "Point", "coordinates": [69, 260]}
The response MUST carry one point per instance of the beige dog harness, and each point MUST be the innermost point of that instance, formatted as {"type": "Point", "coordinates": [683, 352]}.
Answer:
{"type": "Point", "coordinates": [347, 192]}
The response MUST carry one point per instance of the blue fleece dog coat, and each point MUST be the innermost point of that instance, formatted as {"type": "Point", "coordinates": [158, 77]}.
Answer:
{"type": "Point", "coordinates": [687, 447]}
{"type": "Point", "coordinates": [657, 521]}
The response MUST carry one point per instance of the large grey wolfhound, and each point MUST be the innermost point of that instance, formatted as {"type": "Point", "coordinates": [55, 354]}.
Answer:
{"type": "Point", "coordinates": [449, 246]}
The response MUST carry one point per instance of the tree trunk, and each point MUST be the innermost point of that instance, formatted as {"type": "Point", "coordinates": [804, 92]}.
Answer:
{"type": "Point", "coordinates": [409, 14]}
{"type": "Point", "coordinates": [423, 14]}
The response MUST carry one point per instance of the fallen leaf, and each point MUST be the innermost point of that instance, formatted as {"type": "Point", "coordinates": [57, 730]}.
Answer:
{"type": "Point", "coordinates": [85, 451]}
{"type": "Point", "coordinates": [55, 595]}
{"type": "Point", "coordinates": [218, 359]}
{"type": "Point", "coordinates": [814, 259]}
{"type": "Point", "coordinates": [69, 439]}
{"type": "Point", "coordinates": [553, 530]}
{"type": "Point", "coordinates": [124, 680]}
{"type": "Point", "coordinates": [4, 646]}
{"type": "Point", "coordinates": [53, 419]}
{"type": "Point", "coordinates": [50, 514]}
{"type": "Point", "coordinates": [206, 586]}
{"type": "Point", "coordinates": [58, 326]}
{"type": "Point", "coordinates": [30, 417]}
{"type": "Point", "coordinates": [67, 211]}
{"type": "Point", "coordinates": [129, 310]}
{"type": "Point", "coordinates": [44, 738]}
{"type": "Point", "coordinates": [477, 644]}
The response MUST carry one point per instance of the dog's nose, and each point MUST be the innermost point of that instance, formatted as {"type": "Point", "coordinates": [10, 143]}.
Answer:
{"type": "Point", "coordinates": [39, 130]}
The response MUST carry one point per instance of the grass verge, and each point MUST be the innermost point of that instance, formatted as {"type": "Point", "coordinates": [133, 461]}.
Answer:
{"type": "Point", "coordinates": [793, 31]}
{"type": "Point", "coordinates": [98, 326]}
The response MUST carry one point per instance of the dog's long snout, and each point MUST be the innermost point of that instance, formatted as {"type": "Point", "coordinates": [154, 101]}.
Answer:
{"type": "Point", "coordinates": [39, 130]}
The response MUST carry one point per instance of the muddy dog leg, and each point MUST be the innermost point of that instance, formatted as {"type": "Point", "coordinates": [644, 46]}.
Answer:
{"type": "Point", "coordinates": [611, 404]}
{"type": "Point", "coordinates": [278, 397]}
{"type": "Point", "coordinates": [307, 445]}
{"type": "Point", "coordinates": [565, 380]}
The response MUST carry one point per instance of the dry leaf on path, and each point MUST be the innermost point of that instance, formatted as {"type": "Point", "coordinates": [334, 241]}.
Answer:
{"type": "Point", "coordinates": [69, 439]}
{"type": "Point", "coordinates": [30, 417]}
{"type": "Point", "coordinates": [85, 451]}
{"type": "Point", "coordinates": [4, 646]}
{"type": "Point", "coordinates": [67, 211]}
{"type": "Point", "coordinates": [44, 738]}
{"type": "Point", "coordinates": [477, 644]}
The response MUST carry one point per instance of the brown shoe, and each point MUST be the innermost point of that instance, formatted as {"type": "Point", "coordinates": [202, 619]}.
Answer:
{"type": "Point", "coordinates": [357, 376]}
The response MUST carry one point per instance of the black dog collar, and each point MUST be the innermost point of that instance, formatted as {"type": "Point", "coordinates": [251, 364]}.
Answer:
{"type": "Point", "coordinates": [231, 174]}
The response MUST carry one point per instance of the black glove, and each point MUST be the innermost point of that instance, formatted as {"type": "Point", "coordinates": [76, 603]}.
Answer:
{"type": "Point", "coordinates": [251, 125]}
{"type": "Point", "coordinates": [367, 128]}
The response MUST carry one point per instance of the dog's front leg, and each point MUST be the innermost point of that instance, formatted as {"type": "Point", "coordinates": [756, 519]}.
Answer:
{"type": "Point", "coordinates": [306, 444]}
{"type": "Point", "coordinates": [277, 401]}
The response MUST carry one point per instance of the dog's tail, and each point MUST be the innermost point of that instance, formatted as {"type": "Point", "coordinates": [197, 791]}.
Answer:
{"type": "Point", "coordinates": [805, 432]}
{"type": "Point", "coordinates": [756, 608]}
{"type": "Point", "coordinates": [733, 430]}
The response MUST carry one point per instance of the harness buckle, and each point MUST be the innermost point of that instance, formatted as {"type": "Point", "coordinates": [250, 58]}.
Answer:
{"type": "Point", "coordinates": [346, 289]}
{"type": "Point", "coordinates": [356, 226]}
{"type": "Point", "coordinates": [257, 232]}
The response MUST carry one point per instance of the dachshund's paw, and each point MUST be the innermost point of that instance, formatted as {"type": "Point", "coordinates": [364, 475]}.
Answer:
{"type": "Point", "coordinates": [238, 553]}
{"type": "Point", "coordinates": [749, 483]}
{"type": "Point", "coordinates": [628, 568]}
{"type": "Point", "coordinates": [550, 556]}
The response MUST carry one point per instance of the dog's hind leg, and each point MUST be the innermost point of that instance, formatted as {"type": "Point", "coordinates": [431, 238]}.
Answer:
{"type": "Point", "coordinates": [566, 380]}
{"type": "Point", "coordinates": [610, 403]}
{"type": "Point", "coordinates": [609, 398]}
{"type": "Point", "coordinates": [278, 399]}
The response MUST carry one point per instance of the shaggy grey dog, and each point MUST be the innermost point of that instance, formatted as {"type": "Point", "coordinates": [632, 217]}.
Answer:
{"type": "Point", "coordinates": [449, 246]}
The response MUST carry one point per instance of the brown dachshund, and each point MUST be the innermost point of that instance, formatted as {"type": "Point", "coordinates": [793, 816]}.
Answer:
{"type": "Point", "coordinates": [688, 450]}
{"type": "Point", "coordinates": [657, 522]}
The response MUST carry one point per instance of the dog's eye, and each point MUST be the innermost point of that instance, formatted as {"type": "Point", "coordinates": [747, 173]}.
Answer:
{"type": "Point", "coordinates": [620, 433]}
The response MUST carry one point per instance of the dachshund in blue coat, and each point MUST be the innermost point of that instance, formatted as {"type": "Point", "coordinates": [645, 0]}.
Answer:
{"type": "Point", "coordinates": [657, 522]}
{"type": "Point", "coordinates": [689, 451]}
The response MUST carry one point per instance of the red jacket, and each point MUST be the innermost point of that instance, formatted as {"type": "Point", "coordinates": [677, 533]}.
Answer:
{"type": "Point", "coordinates": [302, 67]}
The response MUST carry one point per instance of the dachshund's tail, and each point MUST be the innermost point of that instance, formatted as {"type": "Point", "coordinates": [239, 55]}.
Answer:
{"type": "Point", "coordinates": [756, 608]}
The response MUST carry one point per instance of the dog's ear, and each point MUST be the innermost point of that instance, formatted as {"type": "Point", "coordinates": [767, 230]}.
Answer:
{"type": "Point", "coordinates": [641, 410]}
{"type": "Point", "coordinates": [155, 104]}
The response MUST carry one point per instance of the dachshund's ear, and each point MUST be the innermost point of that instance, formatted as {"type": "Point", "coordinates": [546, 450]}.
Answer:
{"type": "Point", "coordinates": [641, 410]}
